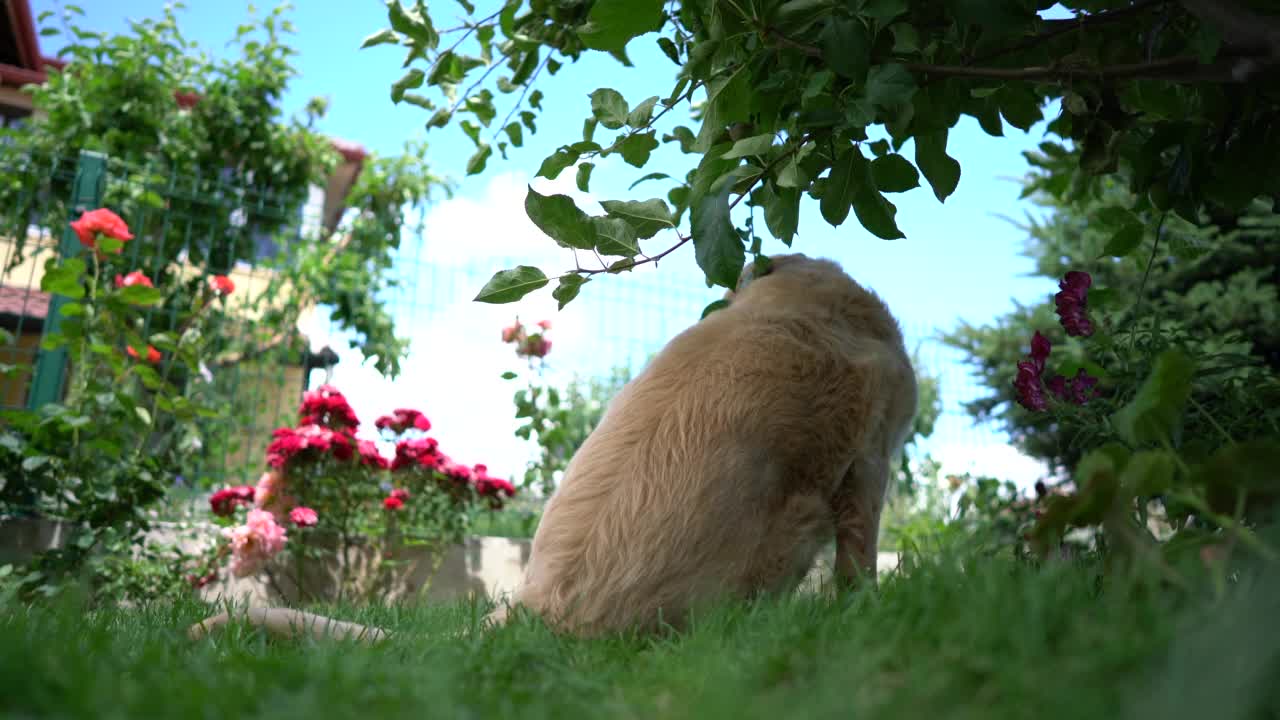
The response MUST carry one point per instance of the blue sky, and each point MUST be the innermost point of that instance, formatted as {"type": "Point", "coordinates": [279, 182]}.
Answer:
{"type": "Point", "coordinates": [960, 260]}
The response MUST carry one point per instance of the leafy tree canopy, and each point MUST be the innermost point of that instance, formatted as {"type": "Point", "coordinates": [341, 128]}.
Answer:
{"type": "Point", "coordinates": [784, 99]}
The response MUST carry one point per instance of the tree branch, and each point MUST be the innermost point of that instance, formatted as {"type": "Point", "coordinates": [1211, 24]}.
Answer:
{"type": "Point", "coordinates": [1240, 26]}
{"type": "Point", "coordinates": [1181, 69]}
{"type": "Point", "coordinates": [520, 101]}
{"type": "Point", "coordinates": [686, 238]}
{"type": "Point", "coordinates": [1054, 28]}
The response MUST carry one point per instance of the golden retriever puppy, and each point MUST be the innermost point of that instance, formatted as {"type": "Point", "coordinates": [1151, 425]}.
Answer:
{"type": "Point", "coordinates": [749, 441]}
{"type": "Point", "coordinates": [724, 466]}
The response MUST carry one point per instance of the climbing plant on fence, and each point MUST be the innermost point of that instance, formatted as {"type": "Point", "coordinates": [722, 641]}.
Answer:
{"type": "Point", "coordinates": [208, 141]}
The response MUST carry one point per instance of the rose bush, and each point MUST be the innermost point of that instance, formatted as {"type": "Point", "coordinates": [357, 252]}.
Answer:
{"type": "Point", "coordinates": [127, 423]}
{"type": "Point", "coordinates": [326, 491]}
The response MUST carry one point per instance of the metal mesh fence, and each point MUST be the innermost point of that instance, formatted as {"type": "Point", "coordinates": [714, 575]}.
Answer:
{"type": "Point", "coordinates": [188, 228]}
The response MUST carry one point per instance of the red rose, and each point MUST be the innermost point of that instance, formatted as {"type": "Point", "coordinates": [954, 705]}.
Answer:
{"type": "Point", "coordinates": [101, 221]}
{"type": "Point", "coordinates": [153, 355]}
{"type": "Point", "coordinates": [303, 516]}
{"type": "Point", "coordinates": [134, 278]}
{"type": "Point", "coordinates": [224, 501]}
{"type": "Point", "coordinates": [221, 285]}
{"type": "Point", "coordinates": [402, 419]}
{"type": "Point", "coordinates": [392, 502]}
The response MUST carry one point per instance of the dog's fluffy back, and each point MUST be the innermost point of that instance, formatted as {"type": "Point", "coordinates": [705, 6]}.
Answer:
{"type": "Point", "coordinates": [712, 472]}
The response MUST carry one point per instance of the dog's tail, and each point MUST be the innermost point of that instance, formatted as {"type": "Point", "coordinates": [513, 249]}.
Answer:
{"type": "Point", "coordinates": [291, 624]}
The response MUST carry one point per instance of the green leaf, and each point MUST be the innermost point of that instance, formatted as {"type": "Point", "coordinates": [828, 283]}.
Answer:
{"type": "Point", "coordinates": [614, 236]}
{"type": "Point", "coordinates": [684, 136]}
{"type": "Point", "coordinates": [846, 47]}
{"type": "Point", "coordinates": [1000, 16]}
{"type": "Point", "coordinates": [712, 307]}
{"type": "Point", "coordinates": [419, 100]}
{"type": "Point", "coordinates": [386, 36]}
{"type": "Point", "coordinates": [1149, 472]}
{"type": "Point", "coordinates": [875, 212]}
{"type": "Point", "coordinates": [412, 23]}
{"type": "Point", "coordinates": [838, 195]}
{"type": "Point", "coordinates": [508, 375]}
{"type": "Point", "coordinates": [781, 211]}
{"type": "Point", "coordinates": [717, 246]}
{"type": "Point", "coordinates": [440, 118]}
{"type": "Point", "coordinates": [637, 148]}
{"type": "Point", "coordinates": [34, 462]}
{"type": "Point", "coordinates": [795, 16]}
{"type": "Point", "coordinates": [557, 162]}
{"type": "Point", "coordinates": [560, 218]}
{"type": "Point", "coordinates": [642, 113]}
{"type": "Point", "coordinates": [482, 105]}
{"type": "Point", "coordinates": [646, 217]}
{"type": "Point", "coordinates": [583, 177]}
{"type": "Point", "coordinates": [475, 165]}
{"type": "Point", "coordinates": [140, 295]}
{"type": "Point", "coordinates": [894, 173]}
{"type": "Point", "coordinates": [69, 310]}
{"type": "Point", "coordinates": [940, 169]}
{"type": "Point", "coordinates": [64, 279]}
{"type": "Point", "coordinates": [510, 285]}
{"type": "Point", "coordinates": [143, 415]}
{"type": "Point", "coordinates": [669, 49]}
{"type": "Point", "coordinates": [1124, 241]}
{"type": "Point", "coordinates": [650, 176]}
{"type": "Point", "coordinates": [568, 288]}
{"type": "Point", "coordinates": [516, 133]}
{"type": "Point", "coordinates": [889, 85]}
{"type": "Point", "coordinates": [883, 9]}
{"type": "Point", "coordinates": [612, 23]}
{"type": "Point", "coordinates": [756, 145]}
{"type": "Point", "coordinates": [609, 107]}
{"type": "Point", "coordinates": [1155, 413]}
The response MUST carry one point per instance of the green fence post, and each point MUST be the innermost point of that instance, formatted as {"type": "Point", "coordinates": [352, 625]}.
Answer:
{"type": "Point", "coordinates": [86, 194]}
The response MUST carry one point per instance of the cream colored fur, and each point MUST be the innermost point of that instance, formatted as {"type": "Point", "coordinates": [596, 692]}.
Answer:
{"type": "Point", "coordinates": [749, 441]}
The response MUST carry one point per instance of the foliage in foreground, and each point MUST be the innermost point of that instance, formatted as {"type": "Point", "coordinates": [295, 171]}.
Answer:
{"type": "Point", "coordinates": [1213, 291]}
{"type": "Point", "coordinates": [820, 99]}
{"type": "Point", "coordinates": [959, 635]}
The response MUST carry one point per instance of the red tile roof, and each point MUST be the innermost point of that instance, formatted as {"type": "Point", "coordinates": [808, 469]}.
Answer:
{"type": "Point", "coordinates": [28, 43]}
{"type": "Point", "coordinates": [24, 303]}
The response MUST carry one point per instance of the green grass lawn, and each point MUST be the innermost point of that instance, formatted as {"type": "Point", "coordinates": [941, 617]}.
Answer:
{"type": "Point", "coordinates": [998, 639]}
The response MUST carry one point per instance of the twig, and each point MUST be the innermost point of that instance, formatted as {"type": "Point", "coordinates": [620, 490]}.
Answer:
{"type": "Point", "coordinates": [686, 238]}
{"type": "Point", "coordinates": [1182, 68]}
{"type": "Point", "coordinates": [483, 76]}
{"type": "Point", "coordinates": [520, 101]}
{"type": "Point", "coordinates": [636, 263]}
{"type": "Point", "coordinates": [470, 28]}
{"type": "Point", "coordinates": [1164, 68]}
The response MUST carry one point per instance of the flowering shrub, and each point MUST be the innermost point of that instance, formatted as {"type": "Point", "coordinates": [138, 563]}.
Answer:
{"type": "Point", "coordinates": [1141, 481]}
{"type": "Point", "coordinates": [529, 343]}
{"type": "Point", "coordinates": [559, 420]}
{"type": "Point", "coordinates": [326, 491]}
{"type": "Point", "coordinates": [126, 424]}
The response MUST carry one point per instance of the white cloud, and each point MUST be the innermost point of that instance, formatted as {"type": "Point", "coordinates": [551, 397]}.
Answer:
{"type": "Point", "coordinates": [999, 460]}
{"type": "Point", "coordinates": [456, 358]}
